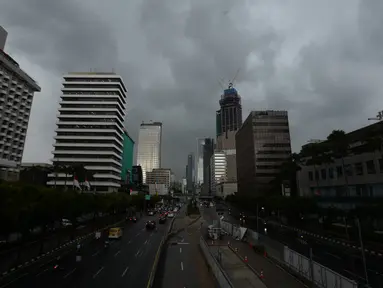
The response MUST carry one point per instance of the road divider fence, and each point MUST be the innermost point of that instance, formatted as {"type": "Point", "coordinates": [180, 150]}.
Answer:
{"type": "Point", "coordinates": [219, 274]}
{"type": "Point", "coordinates": [294, 262]}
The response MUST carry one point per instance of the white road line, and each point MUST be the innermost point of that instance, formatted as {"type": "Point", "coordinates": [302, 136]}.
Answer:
{"type": "Point", "coordinates": [98, 272]}
{"type": "Point", "coordinates": [180, 250]}
{"type": "Point", "coordinates": [118, 252]}
{"type": "Point", "coordinates": [42, 272]}
{"type": "Point", "coordinates": [96, 253]}
{"type": "Point", "coordinates": [126, 270]}
{"type": "Point", "coordinates": [137, 253]}
{"type": "Point", "coordinates": [14, 280]}
{"type": "Point", "coordinates": [182, 266]}
{"type": "Point", "coordinates": [69, 273]}
{"type": "Point", "coordinates": [138, 234]}
{"type": "Point", "coordinates": [130, 241]}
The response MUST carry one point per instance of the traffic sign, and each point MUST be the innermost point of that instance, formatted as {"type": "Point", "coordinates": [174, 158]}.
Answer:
{"type": "Point", "coordinates": [147, 197]}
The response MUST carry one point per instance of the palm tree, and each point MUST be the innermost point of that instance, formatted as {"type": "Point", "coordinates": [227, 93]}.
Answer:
{"type": "Point", "coordinates": [339, 145]}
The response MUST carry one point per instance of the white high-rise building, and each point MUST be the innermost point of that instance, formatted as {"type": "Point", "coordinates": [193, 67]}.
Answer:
{"type": "Point", "coordinates": [90, 128]}
{"type": "Point", "coordinates": [149, 147]}
{"type": "Point", "coordinates": [199, 161]}
{"type": "Point", "coordinates": [16, 95]}
{"type": "Point", "coordinates": [218, 164]}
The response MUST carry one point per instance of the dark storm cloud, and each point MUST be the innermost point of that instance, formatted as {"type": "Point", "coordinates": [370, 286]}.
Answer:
{"type": "Point", "coordinates": [172, 53]}
{"type": "Point", "coordinates": [60, 35]}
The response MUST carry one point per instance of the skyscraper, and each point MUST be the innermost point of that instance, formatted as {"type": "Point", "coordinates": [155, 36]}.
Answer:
{"type": "Point", "coordinates": [190, 173]}
{"type": "Point", "coordinates": [149, 147]}
{"type": "Point", "coordinates": [228, 121]}
{"type": "Point", "coordinates": [263, 144]}
{"type": "Point", "coordinates": [199, 161]}
{"type": "Point", "coordinates": [16, 94]}
{"type": "Point", "coordinates": [208, 151]}
{"type": "Point", "coordinates": [90, 128]}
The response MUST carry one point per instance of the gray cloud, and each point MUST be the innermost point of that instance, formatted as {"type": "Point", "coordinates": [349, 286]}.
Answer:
{"type": "Point", "coordinates": [171, 54]}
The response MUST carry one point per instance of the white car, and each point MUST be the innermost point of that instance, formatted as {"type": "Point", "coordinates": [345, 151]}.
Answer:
{"type": "Point", "coordinates": [170, 215]}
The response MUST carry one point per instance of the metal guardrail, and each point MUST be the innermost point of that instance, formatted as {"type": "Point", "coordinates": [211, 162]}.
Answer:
{"type": "Point", "coordinates": [219, 274]}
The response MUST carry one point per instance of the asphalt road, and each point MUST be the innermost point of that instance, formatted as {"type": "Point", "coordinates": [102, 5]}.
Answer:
{"type": "Point", "coordinates": [344, 260]}
{"type": "Point", "coordinates": [15, 256]}
{"type": "Point", "coordinates": [182, 263]}
{"type": "Point", "coordinates": [127, 262]}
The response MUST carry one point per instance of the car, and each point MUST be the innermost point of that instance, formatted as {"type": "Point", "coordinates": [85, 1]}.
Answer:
{"type": "Point", "coordinates": [150, 225]}
{"type": "Point", "coordinates": [170, 215]}
{"type": "Point", "coordinates": [133, 219]}
{"type": "Point", "coordinates": [115, 233]}
{"type": "Point", "coordinates": [162, 220]}
{"type": "Point", "coordinates": [150, 213]}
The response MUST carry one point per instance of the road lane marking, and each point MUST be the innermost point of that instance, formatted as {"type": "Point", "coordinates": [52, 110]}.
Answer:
{"type": "Point", "coordinates": [69, 273]}
{"type": "Point", "coordinates": [14, 280]}
{"type": "Point", "coordinates": [180, 250]}
{"type": "Point", "coordinates": [138, 252]}
{"type": "Point", "coordinates": [182, 266]}
{"type": "Point", "coordinates": [146, 241]}
{"type": "Point", "coordinates": [118, 252]}
{"type": "Point", "coordinates": [98, 272]}
{"type": "Point", "coordinates": [138, 234]}
{"type": "Point", "coordinates": [126, 270]}
{"type": "Point", "coordinates": [96, 253]}
{"type": "Point", "coordinates": [45, 270]}
{"type": "Point", "coordinates": [130, 241]}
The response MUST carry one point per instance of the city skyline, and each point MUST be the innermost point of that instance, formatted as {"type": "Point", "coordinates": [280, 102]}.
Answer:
{"type": "Point", "coordinates": [298, 67]}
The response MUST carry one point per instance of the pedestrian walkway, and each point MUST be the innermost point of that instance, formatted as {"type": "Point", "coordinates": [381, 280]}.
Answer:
{"type": "Point", "coordinates": [239, 273]}
{"type": "Point", "coordinates": [274, 276]}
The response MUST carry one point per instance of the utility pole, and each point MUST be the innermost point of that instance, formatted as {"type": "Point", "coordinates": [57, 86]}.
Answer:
{"type": "Point", "coordinates": [362, 250]}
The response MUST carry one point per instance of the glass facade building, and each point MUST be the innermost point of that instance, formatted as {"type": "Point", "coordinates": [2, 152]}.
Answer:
{"type": "Point", "coordinates": [149, 147]}
{"type": "Point", "coordinates": [127, 158]}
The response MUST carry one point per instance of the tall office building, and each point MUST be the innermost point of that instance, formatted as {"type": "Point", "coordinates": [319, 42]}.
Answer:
{"type": "Point", "coordinates": [208, 151]}
{"type": "Point", "coordinates": [90, 128]}
{"type": "Point", "coordinates": [16, 94]}
{"type": "Point", "coordinates": [263, 144]}
{"type": "Point", "coordinates": [149, 147]}
{"type": "Point", "coordinates": [127, 158]}
{"type": "Point", "coordinates": [218, 166]}
{"type": "Point", "coordinates": [199, 162]}
{"type": "Point", "coordinates": [190, 173]}
{"type": "Point", "coordinates": [228, 121]}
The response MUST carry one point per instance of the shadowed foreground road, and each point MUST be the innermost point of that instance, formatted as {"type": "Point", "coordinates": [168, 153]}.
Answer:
{"type": "Point", "coordinates": [127, 262]}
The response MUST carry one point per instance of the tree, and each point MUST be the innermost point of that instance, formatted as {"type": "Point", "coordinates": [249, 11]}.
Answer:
{"type": "Point", "coordinates": [339, 145]}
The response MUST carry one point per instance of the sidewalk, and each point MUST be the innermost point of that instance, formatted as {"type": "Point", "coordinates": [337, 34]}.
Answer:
{"type": "Point", "coordinates": [274, 276]}
{"type": "Point", "coordinates": [239, 273]}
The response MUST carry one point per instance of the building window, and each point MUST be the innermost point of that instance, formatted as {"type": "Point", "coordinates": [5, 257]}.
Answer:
{"type": "Point", "coordinates": [339, 171]}
{"type": "Point", "coordinates": [331, 173]}
{"type": "Point", "coordinates": [348, 169]}
{"type": "Point", "coordinates": [316, 175]}
{"type": "Point", "coordinates": [323, 174]}
{"type": "Point", "coordinates": [370, 167]}
{"type": "Point", "coordinates": [311, 176]}
{"type": "Point", "coordinates": [381, 165]}
{"type": "Point", "coordinates": [359, 168]}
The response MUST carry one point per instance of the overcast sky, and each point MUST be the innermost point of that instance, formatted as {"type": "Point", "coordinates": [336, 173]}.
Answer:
{"type": "Point", "coordinates": [320, 60]}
